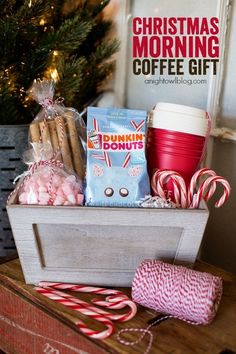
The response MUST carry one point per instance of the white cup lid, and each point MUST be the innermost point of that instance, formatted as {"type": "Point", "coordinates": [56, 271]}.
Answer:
{"type": "Point", "coordinates": [178, 108]}
{"type": "Point", "coordinates": [179, 118]}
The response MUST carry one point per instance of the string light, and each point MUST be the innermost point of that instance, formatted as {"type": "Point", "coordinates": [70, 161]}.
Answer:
{"type": "Point", "coordinates": [42, 22]}
{"type": "Point", "coordinates": [54, 74]}
{"type": "Point", "coordinates": [55, 53]}
{"type": "Point", "coordinates": [30, 3]}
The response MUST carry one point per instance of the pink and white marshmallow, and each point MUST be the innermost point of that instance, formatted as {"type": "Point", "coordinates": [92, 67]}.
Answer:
{"type": "Point", "coordinates": [47, 187]}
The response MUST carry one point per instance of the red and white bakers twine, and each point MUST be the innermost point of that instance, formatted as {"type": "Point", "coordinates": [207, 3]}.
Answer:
{"type": "Point", "coordinates": [176, 292]}
{"type": "Point", "coordinates": [115, 300]}
{"type": "Point", "coordinates": [192, 196]}
{"type": "Point", "coordinates": [47, 103]}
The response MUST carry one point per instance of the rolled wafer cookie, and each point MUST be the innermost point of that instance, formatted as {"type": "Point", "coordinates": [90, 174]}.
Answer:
{"type": "Point", "coordinates": [54, 139]}
{"type": "Point", "coordinates": [45, 134]}
{"type": "Point", "coordinates": [75, 144]}
{"type": "Point", "coordinates": [64, 144]}
{"type": "Point", "coordinates": [35, 132]}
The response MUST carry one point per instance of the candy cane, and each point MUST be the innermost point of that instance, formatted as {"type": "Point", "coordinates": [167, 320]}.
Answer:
{"type": "Point", "coordinates": [136, 126]}
{"type": "Point", "coordinates": [104, 157]}
{"type": "Point", "coordinates": [188, 198]}
{"type": "Point", "coordinates": [95, 125]}
{"type": "Point", "coordinates": [180, 192]}
{"type": "Point", "coordinates": [56, 296]}
{"type": "Point", "coordinates": [209, 183]}
{"type": "Point", "coordinates": [116, 300]}
{"type": "Point", "coordinates": [193, 184]}
{"type": "Point", "coordinates": [161, 177]}
{"type": "Point", "coordinates": [79, 288]}
{"type": "Point", "coordinates": [116, 303]}
{"type": "Point", "coordinates": [127, 160]}
{"type": "Point", "coordinates": [154, 180]}
{"type": "Point", "coordinates": [107, 159]}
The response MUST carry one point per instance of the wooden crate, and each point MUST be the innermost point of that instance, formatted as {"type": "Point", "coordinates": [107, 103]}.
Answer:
{"type": "Point", "coordinates": [101, 246]}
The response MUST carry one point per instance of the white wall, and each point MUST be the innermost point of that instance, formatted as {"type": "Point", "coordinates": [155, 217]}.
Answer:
{"type": "Point", "coordinates": [227, 115]}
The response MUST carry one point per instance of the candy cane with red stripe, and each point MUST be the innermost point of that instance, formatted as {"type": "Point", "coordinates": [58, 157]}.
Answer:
{"type": "Point", "coordinates": [79, 288]}
{"type": "Point", "coordinates": [107, 159]}
{"type": "Point", "coordinates": [95, 125]}
{"type": "Point", "coordinates": [204, 191]}
{"type": "Point", "coordinates": [186, 197]}
{"type": "Point", "coordinates": [98, 157]}
{"type": "Point", "coordinates": [115, 302]}
{"type": "Point", "coordinates": [116, 299]}
{"type": "Point", "coordinates": [161, 177]}
{"type": "Point", "coordinates": [127, 160]}
{"type": "Point", "coordinates": [136, 126]}
{"type": "Point", "coordinates": [57, 296]}
{"type": "Point", "coordinates": [104, 157]}
{"type": "Point", "coordinates": [194, 184]}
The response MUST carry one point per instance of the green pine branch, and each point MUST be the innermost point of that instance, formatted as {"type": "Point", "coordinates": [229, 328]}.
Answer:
{"type": "Point", "coordinates": [72, 33]}
{"type": "Point", "coordinates": [76, 32]}
{"type": "Point", "coordinates": [104, 51]}
{"type": "Point", "coordinates": [70, 78]}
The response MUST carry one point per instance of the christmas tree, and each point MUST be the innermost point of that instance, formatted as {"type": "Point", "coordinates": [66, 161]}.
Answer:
{"type": "Point", "coordinates": [63, 40]}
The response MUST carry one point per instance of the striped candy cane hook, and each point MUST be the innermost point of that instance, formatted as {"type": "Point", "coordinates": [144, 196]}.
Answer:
{"type": "Point", "coordinates": [79, 288]}
{"type": "Point", "coordinates": [136, 126]}
{"type": "Point", "coordinates": [103, 157]}
{"type": "Point", "coordinates": [95, 125]}
{"type": "Point", "coordinates": [126, 160]}
{"type": "Point", "coordinates": [161, 177]}
{"type": "Point", "coordinates": [57, 296]}
{"type": "Point", "coordinates": [115, 300]}
{"type": "Point", "coordinates": [194, 185]}
{"type": "Point", "coordinates": [189, 198]}
{"type": "Point", "coordinates": [204, 191]}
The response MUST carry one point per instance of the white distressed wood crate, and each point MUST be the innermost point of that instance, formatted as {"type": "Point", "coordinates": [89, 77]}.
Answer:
{"type": "Point", "coordinates": [101, 246]}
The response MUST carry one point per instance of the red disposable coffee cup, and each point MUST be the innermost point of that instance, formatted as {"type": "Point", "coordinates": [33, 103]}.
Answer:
{"type": "Point", "coordinates": [185, 165]}
{"type": "Point", "coordinates": [176, 149]}
{"type": "Point", "coordinates": [173, 138]}
{"type": "Point", "coordinates": [176, 140]}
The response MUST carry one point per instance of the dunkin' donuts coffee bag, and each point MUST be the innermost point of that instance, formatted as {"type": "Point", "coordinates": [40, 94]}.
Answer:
{"type": "Point", "coordinates": [116, 162]}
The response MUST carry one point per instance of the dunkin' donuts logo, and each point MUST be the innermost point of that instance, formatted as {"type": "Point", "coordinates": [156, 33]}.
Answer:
{"type": "Point", "coordinates": [134, 141]}
{"type": "Point", "coordinates": [113, 142]}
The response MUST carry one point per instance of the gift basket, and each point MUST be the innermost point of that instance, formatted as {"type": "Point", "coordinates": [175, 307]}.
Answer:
{"type": "Point", "coordinates": [100, 201]}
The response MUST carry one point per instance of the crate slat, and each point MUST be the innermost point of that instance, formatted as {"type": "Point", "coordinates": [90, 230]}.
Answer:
{"type": "Point", "coordinates": [13, 142]}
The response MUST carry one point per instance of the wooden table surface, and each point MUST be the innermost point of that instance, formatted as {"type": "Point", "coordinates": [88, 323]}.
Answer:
{"type": "Point", "coordinates": [32, 324]}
